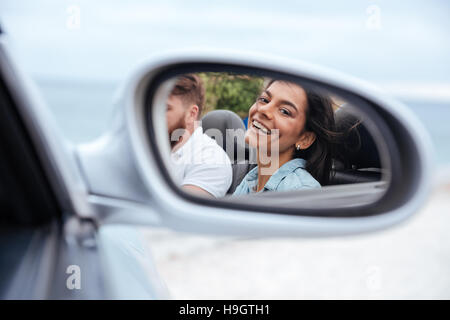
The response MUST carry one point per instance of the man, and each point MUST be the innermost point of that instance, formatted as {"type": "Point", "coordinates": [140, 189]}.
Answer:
{"type": "Point", "coordinates": [200, 165]}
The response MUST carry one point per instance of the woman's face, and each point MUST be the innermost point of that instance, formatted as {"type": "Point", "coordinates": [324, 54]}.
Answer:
{"type": "Point", "coordinates": [278, 115]}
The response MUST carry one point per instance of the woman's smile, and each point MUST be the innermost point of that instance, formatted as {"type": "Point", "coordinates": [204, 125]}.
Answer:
{"type": "Point", "coordinates": [259, 127]}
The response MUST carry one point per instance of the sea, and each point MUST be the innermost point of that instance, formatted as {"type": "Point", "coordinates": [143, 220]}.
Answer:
{"type": "Point", "coordinates": [83, 111]}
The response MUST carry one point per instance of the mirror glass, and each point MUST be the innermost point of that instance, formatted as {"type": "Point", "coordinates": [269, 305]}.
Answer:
{"type": "Point", "coordinates": [276, 142]}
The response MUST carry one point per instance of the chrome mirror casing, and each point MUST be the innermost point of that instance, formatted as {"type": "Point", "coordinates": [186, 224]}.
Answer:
{"type": "Point", "coordinates": [128, 185]}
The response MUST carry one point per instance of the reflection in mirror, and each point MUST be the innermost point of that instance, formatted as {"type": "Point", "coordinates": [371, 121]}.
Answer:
{"type": "Point", "coordinates": [241, 137]}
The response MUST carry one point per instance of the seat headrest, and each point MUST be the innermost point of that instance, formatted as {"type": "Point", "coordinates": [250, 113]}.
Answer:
{"type": "Point", "coordinates": [222, 120]}
{"type": "Point", "coordinates": [358, 149]}
{"type": "Point", "coordinates": [227, 125]}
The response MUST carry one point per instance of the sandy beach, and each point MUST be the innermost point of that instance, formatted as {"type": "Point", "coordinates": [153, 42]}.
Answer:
{"type": "Point", "coordinates": [408, 261]}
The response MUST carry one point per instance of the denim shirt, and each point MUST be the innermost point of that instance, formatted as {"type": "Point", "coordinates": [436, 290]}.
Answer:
{"type": "Point", "coordinates": [290, 176]}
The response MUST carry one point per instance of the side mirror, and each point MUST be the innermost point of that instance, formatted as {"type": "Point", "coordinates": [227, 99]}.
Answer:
{"type": "Point", "coordinates": [347, 159]}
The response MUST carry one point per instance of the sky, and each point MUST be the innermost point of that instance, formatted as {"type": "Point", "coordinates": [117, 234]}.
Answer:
{"type": "Point", "coordinates": [387, 43]}
{"type": "Point", "coordinates": [79, 52]}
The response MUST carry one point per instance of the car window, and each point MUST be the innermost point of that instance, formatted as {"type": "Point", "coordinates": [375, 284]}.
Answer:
{"type": "Point", "coordinates": [25, 194]}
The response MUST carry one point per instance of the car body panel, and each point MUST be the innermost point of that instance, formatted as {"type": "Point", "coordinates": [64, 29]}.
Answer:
{"type": "Point", "coordinates": [35, 259]}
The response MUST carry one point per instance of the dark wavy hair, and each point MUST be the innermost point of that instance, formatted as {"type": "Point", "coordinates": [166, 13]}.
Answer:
{"type": "Point", "coordinates": [320, 120]}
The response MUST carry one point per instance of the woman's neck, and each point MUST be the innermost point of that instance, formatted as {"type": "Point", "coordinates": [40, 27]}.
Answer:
{"type": "Point", "coordinates": [267, 166]}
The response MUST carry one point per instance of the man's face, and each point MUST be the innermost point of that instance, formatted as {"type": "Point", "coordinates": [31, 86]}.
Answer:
{"type": "Point", "coordinates": [176, 116]}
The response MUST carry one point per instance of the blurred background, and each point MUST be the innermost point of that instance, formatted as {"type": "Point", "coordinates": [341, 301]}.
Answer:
{"type": "Point", "coordinates": [80, 52]}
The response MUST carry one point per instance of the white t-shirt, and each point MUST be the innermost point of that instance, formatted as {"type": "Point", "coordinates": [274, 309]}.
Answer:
{"type": "Point", "coordinates": [203, 163]}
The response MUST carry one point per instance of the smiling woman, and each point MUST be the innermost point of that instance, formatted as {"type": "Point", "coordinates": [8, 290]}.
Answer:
{"type": "Point", "coordinates": [294, 133]}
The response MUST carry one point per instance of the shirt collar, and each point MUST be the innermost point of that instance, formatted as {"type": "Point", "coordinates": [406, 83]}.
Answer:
{"type": "Point", "coordinates": [277, 176]}
{"type": "Point", "coordinates": [252, 179]}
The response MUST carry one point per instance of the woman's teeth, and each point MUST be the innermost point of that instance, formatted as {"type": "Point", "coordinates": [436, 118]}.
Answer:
{"type": "Point", "coordinates": [260, 127]}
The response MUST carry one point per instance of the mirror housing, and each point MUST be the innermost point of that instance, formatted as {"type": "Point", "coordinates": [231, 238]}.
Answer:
{"type": "Point", "coordinates": [127, 184]}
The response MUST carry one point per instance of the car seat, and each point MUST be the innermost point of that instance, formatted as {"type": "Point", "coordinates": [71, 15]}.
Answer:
{"type": "Point", "coordinates": [225, 127]}
{"type": "Point", "coordinates": [358, 159]}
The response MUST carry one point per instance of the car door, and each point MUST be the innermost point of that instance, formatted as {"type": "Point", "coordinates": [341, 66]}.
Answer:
{"type": "Point", "coordinates": [49, 246]}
